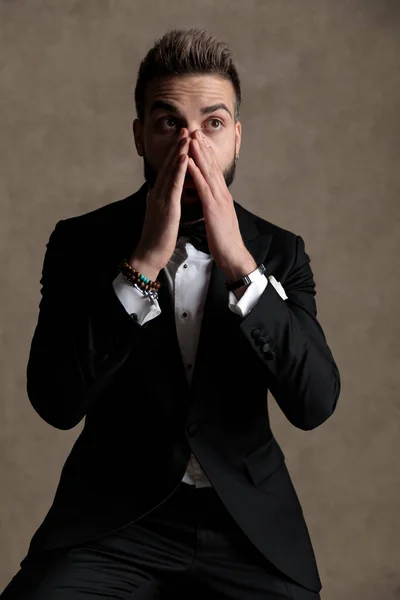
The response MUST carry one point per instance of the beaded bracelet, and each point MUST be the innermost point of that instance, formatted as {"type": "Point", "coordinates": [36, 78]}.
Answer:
{"type": "Point", "coordinates": [139, 280]}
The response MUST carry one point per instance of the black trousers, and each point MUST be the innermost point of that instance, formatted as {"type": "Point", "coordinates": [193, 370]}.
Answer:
{"type": "Point", "coordinates": [187, 548]}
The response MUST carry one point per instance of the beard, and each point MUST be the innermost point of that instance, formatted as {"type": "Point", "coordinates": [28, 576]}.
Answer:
{"type": "Point", "coordinates": [191, 205]}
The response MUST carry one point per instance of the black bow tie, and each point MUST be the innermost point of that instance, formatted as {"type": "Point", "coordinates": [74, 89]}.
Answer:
{"type": "Point", "coordinates": [197, 235]}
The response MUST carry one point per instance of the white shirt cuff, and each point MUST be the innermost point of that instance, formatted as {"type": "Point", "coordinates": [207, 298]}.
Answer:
{"type": "Point", "coordinates": [134, 301]}
{"type": "Point", "coordinates": [249, 299]}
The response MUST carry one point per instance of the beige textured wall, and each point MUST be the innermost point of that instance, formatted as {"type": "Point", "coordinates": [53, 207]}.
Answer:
{"type": "Point", "coordinates": [320, 116]}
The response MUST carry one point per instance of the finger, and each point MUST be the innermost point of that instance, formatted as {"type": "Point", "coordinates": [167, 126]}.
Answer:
{"type": "Point", "coordinates": [163, 175]}
{"type": "Point", "coordinates": [201, 184]}
{"type": "Point", "coordinates": [176, 176]}
{"type": "Point", "coordinates": [179, 179]}
{"type": "Point", "coordinates": [206, 161]}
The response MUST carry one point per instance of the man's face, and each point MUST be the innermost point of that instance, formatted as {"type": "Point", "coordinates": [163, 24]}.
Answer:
{"type": "Point", "coordinates": [187, 95]}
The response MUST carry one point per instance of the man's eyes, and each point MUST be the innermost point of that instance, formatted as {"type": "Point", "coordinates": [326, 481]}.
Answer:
{"type": "Point", "coordinates": [165, 119]}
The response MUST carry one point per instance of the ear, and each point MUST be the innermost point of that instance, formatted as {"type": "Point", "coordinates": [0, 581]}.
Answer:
{"type": "Point", "coordinates": [238, 136]}
{"type": "Point", "coordinates": [137, 128]}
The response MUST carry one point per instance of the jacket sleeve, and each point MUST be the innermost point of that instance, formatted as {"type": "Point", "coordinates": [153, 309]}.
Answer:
{"type": "Point", "coordinates": [287, 337]}
{"type": "Point", "coordinates": [82, 338]}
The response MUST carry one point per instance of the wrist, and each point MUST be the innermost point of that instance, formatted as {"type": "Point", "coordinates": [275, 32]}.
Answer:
{"type": "Point", "coordinates": [239, 268]}
{"type": "Point", "coordinates": [143, 265]}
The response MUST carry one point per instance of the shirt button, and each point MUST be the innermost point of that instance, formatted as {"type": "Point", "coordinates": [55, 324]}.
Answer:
{"type": "Point", "coordinates": [184, 314]}
{"type": "Point", "coordinates": [185, 266]}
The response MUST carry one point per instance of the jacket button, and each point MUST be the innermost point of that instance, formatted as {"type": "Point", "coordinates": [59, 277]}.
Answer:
{"type": "Point", "coordinates": [193, 429]}
{"type": "Point", "coordinates": [255, 333]}
{"type": "Point", "coordinates": [266, 347]}
{"type": "Point", "coordinates": [261, 340]}
{"type": "Point", "coordinates": [269, 355]}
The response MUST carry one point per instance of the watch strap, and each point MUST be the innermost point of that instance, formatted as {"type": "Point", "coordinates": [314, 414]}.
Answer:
{"type": "Point", "coordinates": [246, 280]}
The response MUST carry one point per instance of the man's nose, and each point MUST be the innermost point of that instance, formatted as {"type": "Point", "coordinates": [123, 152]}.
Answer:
{"type": "Point", "coordinates": [186, 132]}
{"type": "Point", "coordinates": [190, 132]}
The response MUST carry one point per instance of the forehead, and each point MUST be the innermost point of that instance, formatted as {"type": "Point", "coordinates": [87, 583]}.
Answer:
{"type": "Point", "coordinates": [198, 90]}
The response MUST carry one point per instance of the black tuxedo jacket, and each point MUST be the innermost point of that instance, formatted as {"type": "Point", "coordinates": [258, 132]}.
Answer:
{"type": "Point", "coordinates": [89, 358]}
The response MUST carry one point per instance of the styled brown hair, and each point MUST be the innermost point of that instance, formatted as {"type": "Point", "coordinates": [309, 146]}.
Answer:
{"type": "Point", "coordinates": [184, 52]}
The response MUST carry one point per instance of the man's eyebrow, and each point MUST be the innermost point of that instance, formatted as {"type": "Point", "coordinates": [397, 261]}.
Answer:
{"type": "Point", "coordinates": [205, 110]}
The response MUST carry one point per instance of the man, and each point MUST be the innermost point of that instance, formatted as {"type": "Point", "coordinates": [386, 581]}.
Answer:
{"type": "Point", "coordinates": [165, 319]}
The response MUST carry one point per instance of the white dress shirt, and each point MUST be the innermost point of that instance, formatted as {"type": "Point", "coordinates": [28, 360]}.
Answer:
{"type": "Point", "coordinates": [188, 276]}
